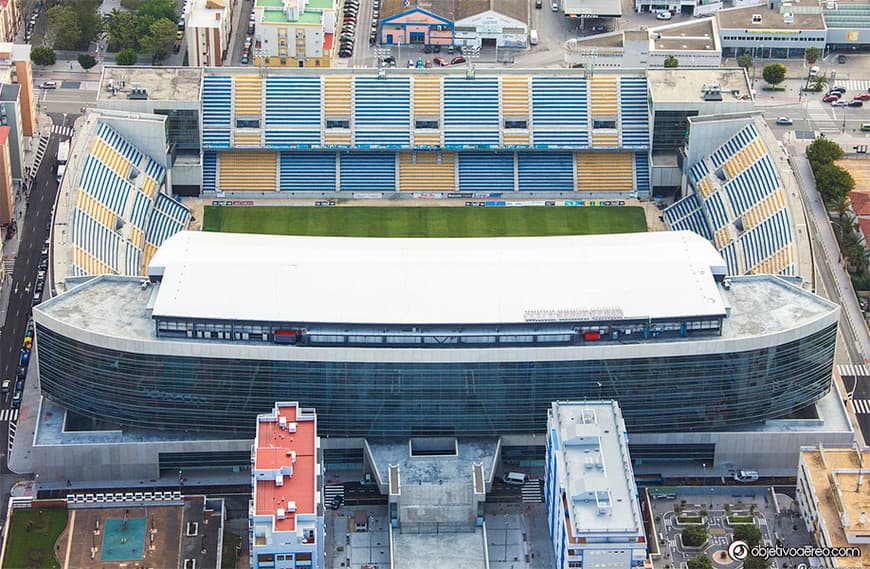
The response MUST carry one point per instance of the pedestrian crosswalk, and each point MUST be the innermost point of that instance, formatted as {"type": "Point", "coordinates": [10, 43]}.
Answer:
{"type": "Point", "coordinates": [820, 116]}
{"type": "Point", "coordinates": [66, 131]}
{"type": "Point", "coordinates": [532, 492]}
{"type": "Point", "coordinates": [332, 490]}
{"type": "Point", "coordinates": [8, 415]}
{"type": "Point", "coordinates": [861, 406]}
{"type": "Point", "coordinates": [852, 85]}
{"type": "Point", "coordinates": [853, 370]}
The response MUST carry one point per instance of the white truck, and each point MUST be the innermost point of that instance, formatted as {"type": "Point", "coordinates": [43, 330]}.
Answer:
{"type": "Point", "coordinates": [62, 157]}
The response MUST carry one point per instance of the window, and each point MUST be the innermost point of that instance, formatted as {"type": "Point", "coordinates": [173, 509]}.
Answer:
{"type": "Point", "coordinates": [182, 129]}
{"type": "Point", "coordinates": [426, 123]}
{"type": "Point", "coordinates": [604, 123]}
{"type": "Point", "coordinates": [247, 123]}
{"type": "Point", "coordinates": [516, 123]}
{"type": "Point", "coordinates": [337, 123]}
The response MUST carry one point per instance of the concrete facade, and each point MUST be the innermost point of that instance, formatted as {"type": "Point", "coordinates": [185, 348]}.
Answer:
{"type": "Point", "coordinates": [294, 34]}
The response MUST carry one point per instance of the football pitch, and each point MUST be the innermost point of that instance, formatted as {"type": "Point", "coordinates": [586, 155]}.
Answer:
{"type": "Point", "coordinates": [364, 221]}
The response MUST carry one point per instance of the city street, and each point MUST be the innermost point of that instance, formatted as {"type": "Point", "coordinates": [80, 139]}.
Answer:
{"type": "Point", "coordinates": [33, 233]}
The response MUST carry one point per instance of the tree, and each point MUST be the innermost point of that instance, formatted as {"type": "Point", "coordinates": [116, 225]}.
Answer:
{"type": "Point", "coordinates": [833, 182]}
{"type": "Point", "coordinates": [158, 43]}
{"type": "Point", "coordinates": [86, 60]}
{"type": "Point", "coordinates": [63, 30]}
{"type": "Point", "coordinates": [127, 56]}
{"type": "Point", "coordinates": [671, 62]}
{"type": "Point", "coordinates": [694, 536]}
{"type": "Point", "coordinates": [157, 9]}
{"type": "Point", "coordinates": [812, 55]}
{"type": "Point", "coordinates": [132, 5]}
{"type": "Point", "coordinates": [89, 20]}
{"type": "Point", "coordinates": [756, 563]}
{"type": "Point", "coordinates": [43, 55]}
{"type": "Point", "coordinates": [745, 60]}
{"type": "Point", "coordinates": [818, 82]}
{"type": "Point", "coordinates": [823, 151]}
{"type": "Point", "coordinates": [748, 533]}
{"type": "Point", "coordinates": [700, 561]}
{"type": "Point", "coordinates": [774, 73]}
{"type": "Point", "coordinates": [122, 29]}
{"type": "Point", "coordinates": [854, 251]}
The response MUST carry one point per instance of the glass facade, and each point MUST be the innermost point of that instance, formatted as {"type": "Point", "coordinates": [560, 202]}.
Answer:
{"type": "Point", "coordinates": [704, 392]}
{"type": "Point", "coordinates": [671, 128]}
{"type": "Point", "coordinates": [182, 129]}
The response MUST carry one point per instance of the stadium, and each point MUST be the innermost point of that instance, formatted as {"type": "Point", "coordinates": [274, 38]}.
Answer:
{"type": "Point", "coordinates": [183, 337]}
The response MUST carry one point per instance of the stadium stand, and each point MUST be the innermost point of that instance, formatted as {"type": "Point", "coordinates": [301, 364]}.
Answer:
{"type": "Point", "coordinates": [120, 212]}
{"type": "Point", "coordinates": [372, 124]}
{"type": "Point", "coordinates": [738, 194]}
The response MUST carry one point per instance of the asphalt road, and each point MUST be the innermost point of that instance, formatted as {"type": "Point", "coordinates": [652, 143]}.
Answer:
{"type": "Point", "coordinates": [33, 232]}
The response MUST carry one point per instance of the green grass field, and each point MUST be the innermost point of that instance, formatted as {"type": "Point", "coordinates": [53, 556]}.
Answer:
{"type": "Point", "coordinates": [424, 221]}
{"type": "Point", "coordinates": [31, 538]}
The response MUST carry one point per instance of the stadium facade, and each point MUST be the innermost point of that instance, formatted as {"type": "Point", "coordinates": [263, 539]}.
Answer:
{"type": "Point", "coordinates": [465, 337]}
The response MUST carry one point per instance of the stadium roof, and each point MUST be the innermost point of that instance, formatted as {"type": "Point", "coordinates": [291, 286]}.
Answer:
{"type": "Point", "coordinates": [235, 277]}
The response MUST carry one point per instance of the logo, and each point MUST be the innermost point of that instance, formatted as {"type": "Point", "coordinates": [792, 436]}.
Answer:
{"type": "Point", "coordinates": [738, 550]}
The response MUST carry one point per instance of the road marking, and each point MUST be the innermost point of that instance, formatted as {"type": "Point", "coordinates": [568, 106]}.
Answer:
{"type": "Point", "coordinates": [853, 370]}
{"type": "Point", "coordinates": [62, 130]}
{"type": "Point", "coordinates": [861, 406]}
{"type": "Point", "coordinates": [853, 85]}
{"type": "Point", "coordinates": [818, 115]}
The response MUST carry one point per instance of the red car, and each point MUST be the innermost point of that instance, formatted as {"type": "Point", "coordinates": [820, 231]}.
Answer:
{"type": "Point", "coordinates": [439, 61]}
{"type": "Point", "coordinates": [862, 97]}
{"type": "Point", "coordinates": [457, 60]}
{"type": "Point", "coordinates": [831, 99]}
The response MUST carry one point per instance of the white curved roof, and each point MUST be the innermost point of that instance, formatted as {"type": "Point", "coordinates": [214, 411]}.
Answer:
{"type": "Point", "coordinates": [227, 276]}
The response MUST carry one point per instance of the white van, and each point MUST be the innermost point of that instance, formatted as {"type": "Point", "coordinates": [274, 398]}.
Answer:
{"type": "Point", "coordinates": [60, 170]}
{"type": "Point", "coordinates": [533, 37]}
{"type": "Point", "coordinates": [814, 70]}
{"type": "Point", "coordinates": [746, 476]}
{"type": "Point", "coordinates": [514, 478]}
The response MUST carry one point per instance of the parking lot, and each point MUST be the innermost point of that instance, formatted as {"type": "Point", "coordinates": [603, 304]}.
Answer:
{"type": "Point", "coordinates": [719, 509]}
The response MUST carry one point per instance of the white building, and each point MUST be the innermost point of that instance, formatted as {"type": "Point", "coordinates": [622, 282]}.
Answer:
{"type": "Point", "coordinates": [209, 24]}
{"type": "Point", "coordinates": [286, 529]}
{"type": "Point", "coordinates": [785, 31]}
{"type": "Point", "coordinates": [591, 496]}
{"type": "Point", "coordinates": [503, 23]}
{"type": "Point", "coordinates": [833, 494]}
{"type": "Point", "coordinates": [694, 43]}
{"type": "Point", "coordinates": [294, 33]}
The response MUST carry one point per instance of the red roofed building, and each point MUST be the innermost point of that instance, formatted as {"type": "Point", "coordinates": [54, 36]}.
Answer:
{"type": "Point", "coordinates": [286, 529]}
{"type": "Point", "coordinates": [861, 207]}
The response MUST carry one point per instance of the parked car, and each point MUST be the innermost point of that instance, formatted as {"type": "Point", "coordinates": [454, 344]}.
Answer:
{"type": "Point", "coordinates": [428, 64]}
{"type": "Point", "coordinates": [663, 15]}
{"type": "Point", "coordinates": [841, 59]}
{"type": "Point", "coordinates": [436, 49]}
{"type": "Point", "coordinates": [839, 103]}
{"type": "Point", "coordinates": [427, 48]}
{"type": "Point", "coordinates": [746, 476]}
{"type": "Point", "coordinates": [838, 89]}
{"type": "Point", "coordinates": [410, 63]}
{"type": "Point", "coordinates": [599, 28]}
{"type": "Point", "coordinates": [49, 85]}
{"type": "Point", "coordinates": [7, 383]}
{"type": "Point", "coordinates": [555, 7]}
{"type": "Point", "coordinates": [439, 61]}
{"type": "Point", "coordinates": [16, 400]}
{"type": "Point", "coordinates": [831, 98]}
{"type": "Point", "coordinates": [336, 502]}
{"type": "Point", "coordinates": [390, 60]}
{"type": "Point", "coordinates": [24, 357]}
{"type": "Point", "coordinates": [419, 64]}
{"type": "Point", "coordinates": [539, 4]}
{"type": "Point", "coordinates": [245, 59]}
{"type": "Point", "coordinates": [22, 372]}
{"type": "Point", "coordinates": [451, 49]}
{"type": "Point", "coordinates": [457, 60]}
{"type": "Point", "coordinates": [856, 103]}
{"type": "Point", "coordinates": [862, 97]}
{"type": "Point", "coordinates": [784, 120]}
